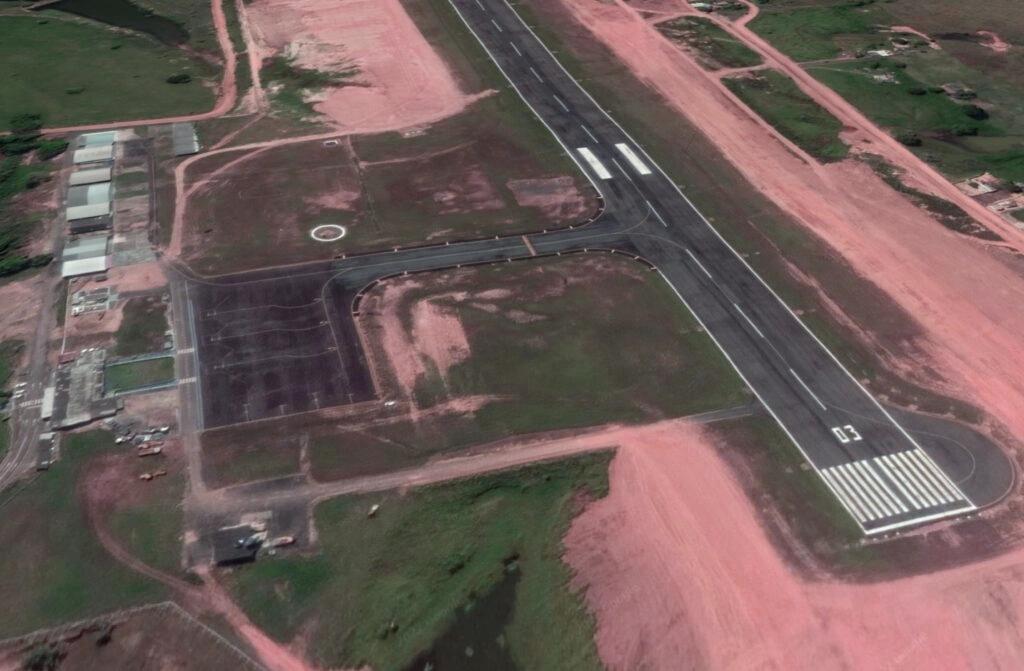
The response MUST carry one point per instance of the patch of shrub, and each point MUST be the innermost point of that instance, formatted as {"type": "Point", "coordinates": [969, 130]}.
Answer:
{"type": "Point", "coordinates": [975, 112]}
{"type": "Point", "coordinates": [909, 138]}
{"type": "Point", "coordinates": [49, 148]}
{"type": "Point", "coordinates": [26, 123]}
{"type": "Point", "coordinates": [917, 90]}
{"type": "Point", "coordinates": [964, 129]}
{"type": "Point", "coordinates": [180, 78]}
{"type": "Point", "coordinates": [74, 91]}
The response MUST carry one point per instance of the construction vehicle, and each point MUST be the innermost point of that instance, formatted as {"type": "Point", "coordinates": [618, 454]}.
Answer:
{"type": "Point", "coordinates": [155, 474]}
{"type": "Point", "coordinates": [150, 450]}
{"type": "Point", "coordinates": [281, 541]}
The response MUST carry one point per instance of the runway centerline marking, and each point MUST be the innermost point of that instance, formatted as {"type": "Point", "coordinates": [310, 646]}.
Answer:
{"type": "Point", "coordinates": [622, 170]}
{"type": "Point", "coordinates": [561, 103]}
{"type": "Point", "coordinates": [808, 389]}
{"type": "Point", "coordinates": [515, 48]}
{"type": "Point", "coordinates": [589, 134]}
{"type": "Point", "coordinates": [749, 320]}
{"type": "Point", "coordinates": [535, 74]}
{"type": "Point", "coordinates": [663, 223]}
{"type": "Point", "coordinates": [497, 26]}
{"type": "Point", "coordinates": [700, 265]}
{"type": "Point", "coordinates": [480, 5]}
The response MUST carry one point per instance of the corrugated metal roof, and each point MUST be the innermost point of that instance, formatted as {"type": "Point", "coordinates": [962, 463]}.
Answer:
{"type": "Point", "coordinates": [90, 176]}
{"type": "Point", "coordinates": [86, 247]}
{"type": "Point", "coordinates": [89, 194]}
{"type": "Point", "coordinates": [87, 211]}
{"type": "Point", "coordinates": [90, 225]}
{"type": "Point", "coordinates": [103, 152]}
{"type": "Point", "coordinates": [96, 264]}
{"type": "Point", "coordinates": [97, 138]}
{"type": "Point", "coordinates": [46, 406]}
{"type": "Point", "coordinates": [184, 138]}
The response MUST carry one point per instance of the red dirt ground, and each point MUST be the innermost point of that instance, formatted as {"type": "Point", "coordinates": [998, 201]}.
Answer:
{"type": "Point", "coordinates": [402, 81]}
{"type": "Point", "coordinates": [966, 297]}
{"type": "Point", "coordinates": [680, 574]}
{"type": "Point", "coordinates": [993, 41]}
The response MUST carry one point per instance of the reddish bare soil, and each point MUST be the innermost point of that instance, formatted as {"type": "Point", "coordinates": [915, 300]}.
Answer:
{"type": "Point", "coordinates": [966, 297]}
{"type": "Point", "coordinates": [20, 308]}
{"type": "Point", "coordinates": [402, 81]}
{"type": "Point", "coordinates": [557, 197]}
{"type": "Point", "coordinates": [993, 41]}
{"type": "Point", "coordinates": [137, 277]}
{"type": "Point", "coordinates": [680, 574]}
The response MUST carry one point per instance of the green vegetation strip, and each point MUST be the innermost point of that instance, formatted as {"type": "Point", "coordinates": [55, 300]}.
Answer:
{"type": "Point", "coordinates": [715, 48]}
{"type": "Point", "coordinates": [143, 326]}
{"type": "Point", "coordinates": [813, 33]}
{"type": "Point", "coordinates": [52, 569]}
{"type": "Point", "coordinates": [778, 100]}
{"type": "Point", "coordinates": [382, 590]}
{"type": "Point", "coordinates": [74, 72]}
{"type": "Point", "coordinates": [123, 377]}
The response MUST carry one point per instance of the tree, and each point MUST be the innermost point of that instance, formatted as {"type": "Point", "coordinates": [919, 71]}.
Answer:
{"type": "Point", "coordinates": [975, 112]}
{"type": "Point", "coordinates": [909, 138]}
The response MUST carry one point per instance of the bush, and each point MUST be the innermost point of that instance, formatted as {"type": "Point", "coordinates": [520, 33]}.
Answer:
{"type": "Point", "coordinates": [917, 90]}
{"type": "Point", "coordinates": [909, 138]}
{"type": "Point", "coordinates": [975, 112]}
{"type": "Point", "coordinates": [15, 145]}
{"type": "Point", "coordinates": [22, 124]}
{"type": "Point", "coordinates": [180, 78]}
{"type": "Point", "coordinates": [74, 91]}
{"type": "Point", "coordinates": [50, 148]}
{"type": "Point", "coordinates": [962, 129]}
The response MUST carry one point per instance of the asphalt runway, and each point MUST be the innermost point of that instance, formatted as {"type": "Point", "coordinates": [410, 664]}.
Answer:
{"type": "Point", "coordinates": [254, 362]}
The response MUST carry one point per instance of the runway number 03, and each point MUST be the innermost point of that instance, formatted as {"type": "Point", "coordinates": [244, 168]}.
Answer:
{"type": "Point", "coordinates": [846, 434]}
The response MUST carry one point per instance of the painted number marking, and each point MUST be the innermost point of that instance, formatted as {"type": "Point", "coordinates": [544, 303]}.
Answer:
{"type": "Point", "coordinates": [846, 434]}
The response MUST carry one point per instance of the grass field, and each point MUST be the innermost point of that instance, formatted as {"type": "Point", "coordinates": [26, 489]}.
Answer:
{"type": "Point", "coordinates": [149, 522]}
{"type": "Point", "coordinates": [137, 374]}
{"type": "Point", "coordinates": [41, 65]}
{"type": "Point", "coordinates": [597, 363]}
{"type": "Point", "coordinates": [475, 563]}
{"type": "Point", "coordinates": [52, 569]}
{"type": "Point", "coordinates": [142, 327]}
{"type": "Point", "coordinates": [713, 47]}
{"type": "Point", "coordinates": [228, 460]}
{"type": "Point", "coordinates": [903, 93]}
{"type": "Point", "coordinates": [790, 111]}
{"type": "Point", "coordinates": [807, 33]}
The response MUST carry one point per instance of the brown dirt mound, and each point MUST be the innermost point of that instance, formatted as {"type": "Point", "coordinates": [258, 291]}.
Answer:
{"type": "Point", "coordinates": [403, 82]}
{"type": "Point", "coordinates": [680, 574]}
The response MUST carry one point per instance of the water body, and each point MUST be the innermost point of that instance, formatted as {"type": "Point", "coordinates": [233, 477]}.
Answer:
{"type": "Point", "coordinates": [125, 14]}
{"type": "Point", "coordinates": [476, 638]}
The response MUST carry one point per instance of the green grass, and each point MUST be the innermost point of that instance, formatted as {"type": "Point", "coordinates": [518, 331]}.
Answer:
{"type": "Point", "coordinates": [137, 374]}
{"type": "Point", "coordinates": [789, 110]}
{"type": "Point", "coordinates": [52, 569]}
{"type": "Point", "coordinates": [578, 354]}
{"type": "Point", "coordinates": [151, 529]}
{"type": "Point", "coordinates": [121, 76]}
{"type": "Point", "coordinates": [142, 327]}
{"type": "Point", "coordinates": [1018, 214]}
{"type": "Point", "coordinates": [813, 33]}
{"type": "Point", "coordinates": [423, 559]}
{"type": "Point", "coordinates": [229, 461]}
{"type": "Point", "coordinates": [291, 83]}
{"type": "Point", "coordinates": [715, 48]}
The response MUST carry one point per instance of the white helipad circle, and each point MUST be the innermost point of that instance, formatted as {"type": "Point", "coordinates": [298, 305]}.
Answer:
{"type": "Point", "coordinates": [328, 233]}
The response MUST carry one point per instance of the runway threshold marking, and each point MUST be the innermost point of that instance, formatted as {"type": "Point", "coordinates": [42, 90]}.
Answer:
{"type": "Point", "coordinates": [633, 159]}
{"type": "Point", "coordinates": [807, 389]}
{"type": "Point", "coordinates": [594, 163]}
{"type": "Point", "coordinates": [529, 245]}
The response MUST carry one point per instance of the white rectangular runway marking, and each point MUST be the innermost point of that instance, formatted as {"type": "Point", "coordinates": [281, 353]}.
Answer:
{"type": "Point", "coordinates": [633, 159]}
{"type": "Point", "coordinates": [845, 497]}
{"type": "Point", "coordinates": [901, 483]}
{"type": "Point", "coordinates": [912, 467]}
{"type": "Point", "coordinates": [919, 487]}
{"type": "Point", "coordinates": [879, 484]}
{"type": "Point", "coordinates": [863, 495]}
{"type": "Point", "coordinates": [594, 164]}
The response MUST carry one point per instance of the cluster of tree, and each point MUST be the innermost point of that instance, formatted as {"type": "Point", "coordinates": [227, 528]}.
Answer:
{"type": "Point", "coordinates": [26, 136]}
